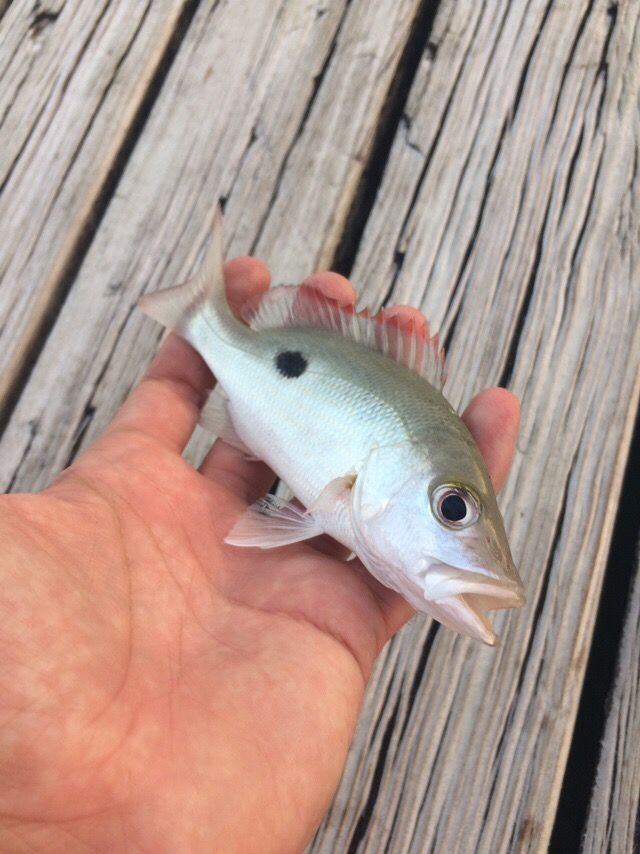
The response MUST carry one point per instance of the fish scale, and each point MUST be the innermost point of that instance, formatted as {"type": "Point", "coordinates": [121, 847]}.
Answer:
{"type": "Point", "coordinates": [348, 410]}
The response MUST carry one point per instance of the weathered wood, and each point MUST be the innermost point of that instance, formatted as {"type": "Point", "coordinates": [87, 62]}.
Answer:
{"type": "Point", "coordinates": [614, 817]}
{"type": "Point", "coordinates": [509, 209]}
{"type": "Point", "coordinates": [74, 76]}
{"type": "Point", "coordinates": [228, 122]}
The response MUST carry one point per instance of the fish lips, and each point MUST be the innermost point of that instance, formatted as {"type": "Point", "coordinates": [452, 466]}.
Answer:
{"type": "Point", "coordinates": [460, 599]}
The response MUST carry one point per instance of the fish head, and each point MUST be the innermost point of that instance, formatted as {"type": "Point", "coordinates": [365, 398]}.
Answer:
{"type": "Point", "coordinates": [427, 524]}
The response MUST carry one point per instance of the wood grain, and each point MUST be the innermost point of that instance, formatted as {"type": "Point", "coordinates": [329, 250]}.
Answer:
{"type": "Point", "coordinates": [509, 210]}
{"type": "Point", "coordinates": [614, 817]}
{"type": "Point", "coordinates": [229, 123]}
{"type": "Point", "coordinates": [74, 76]}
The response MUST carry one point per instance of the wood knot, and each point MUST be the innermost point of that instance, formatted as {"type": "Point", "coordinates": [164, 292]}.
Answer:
{"type": "Point", "coordinates": [40, 22]}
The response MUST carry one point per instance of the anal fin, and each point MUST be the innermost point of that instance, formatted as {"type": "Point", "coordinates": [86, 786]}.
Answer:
{"type": "Point", "coordinates": [272, 522]}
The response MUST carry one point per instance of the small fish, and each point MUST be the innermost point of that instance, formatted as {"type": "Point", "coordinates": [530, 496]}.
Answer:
{"type": "Point", "coordinates": [348, 411]}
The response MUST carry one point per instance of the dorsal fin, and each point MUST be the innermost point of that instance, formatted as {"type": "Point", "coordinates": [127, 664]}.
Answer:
{"type": "Point", "coordinates": [301, 305]}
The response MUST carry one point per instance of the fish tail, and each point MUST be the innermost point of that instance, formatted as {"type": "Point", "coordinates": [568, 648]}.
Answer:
{"type": "Point", "coordinates": [203, 296]}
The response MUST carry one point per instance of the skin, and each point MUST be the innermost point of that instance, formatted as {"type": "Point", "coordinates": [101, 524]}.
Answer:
{"type": "Point", "coordinates": [160, 691]}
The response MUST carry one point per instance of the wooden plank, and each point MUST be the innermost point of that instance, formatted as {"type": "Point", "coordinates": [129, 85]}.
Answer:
{"type": "Point", "coordinates": [614, 817]}
{"type": "Point", "coordinates": [74, 76]}
{"type": "Point", "coordinates": [439, 708]}
{"type": "Point", "coordinates": [248, 110]}
{"type": "Point", "coordinates": [509, 210]}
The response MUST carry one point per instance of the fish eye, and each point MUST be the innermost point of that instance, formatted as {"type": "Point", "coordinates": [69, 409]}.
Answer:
{"type": "Point", "coordinates": [454, 506]}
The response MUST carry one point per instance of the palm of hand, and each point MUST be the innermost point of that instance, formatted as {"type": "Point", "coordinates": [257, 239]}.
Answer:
{"type": "Point", "coordinates": [160, 686]}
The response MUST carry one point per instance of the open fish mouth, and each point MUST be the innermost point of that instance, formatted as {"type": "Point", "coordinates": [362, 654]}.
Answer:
{"type": "Point", "coordinates": [460, 599]}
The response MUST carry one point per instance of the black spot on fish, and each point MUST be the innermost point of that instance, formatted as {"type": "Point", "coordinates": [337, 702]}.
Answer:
{"type": "Point", "coordinates": [291, 363]}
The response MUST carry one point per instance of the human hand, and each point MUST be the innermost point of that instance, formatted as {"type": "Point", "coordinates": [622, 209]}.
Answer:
{"type": "Point", "coordinates": [160, 690]}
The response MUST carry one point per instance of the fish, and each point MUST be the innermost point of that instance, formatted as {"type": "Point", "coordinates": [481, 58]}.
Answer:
{"type": "Point", "coordinates": [348, 410]}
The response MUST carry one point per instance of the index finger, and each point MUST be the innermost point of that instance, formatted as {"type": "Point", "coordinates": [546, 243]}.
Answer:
{"type": "Point", "coordinates": [493, 417]}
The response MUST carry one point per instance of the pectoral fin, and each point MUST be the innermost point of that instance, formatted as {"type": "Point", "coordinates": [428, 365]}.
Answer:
{"type": "Point", "coordinates": [338, 489]}
{"type": "Point", "coordinates": [270, 523]}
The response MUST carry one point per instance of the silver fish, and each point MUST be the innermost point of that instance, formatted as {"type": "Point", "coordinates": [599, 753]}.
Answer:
{"type": "Point", "coordinates": [348, 411]}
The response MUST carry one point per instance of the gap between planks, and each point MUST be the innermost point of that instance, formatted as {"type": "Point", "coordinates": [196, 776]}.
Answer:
{"type": "Point", "coordinates": [519, 101]}
{"type": "Point", "coordinates": [610, 693]}
{"type": "Point", "coordinates": [466, 253]}
{"type": "Point", "coordinates": [281, 103]}
{"type": "Point", "coordinates": [100, 171]}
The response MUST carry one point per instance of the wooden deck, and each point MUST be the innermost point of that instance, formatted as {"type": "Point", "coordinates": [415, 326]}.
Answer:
{"type": "Point", "coordinates": [478, 160]}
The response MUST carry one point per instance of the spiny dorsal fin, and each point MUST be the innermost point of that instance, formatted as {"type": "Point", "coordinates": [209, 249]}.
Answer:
{"type": "Point", "coordinates": [300, 305]}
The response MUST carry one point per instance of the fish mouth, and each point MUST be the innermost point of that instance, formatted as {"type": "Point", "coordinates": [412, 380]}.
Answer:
{"type": "Point", "coordinates": [460, 599]}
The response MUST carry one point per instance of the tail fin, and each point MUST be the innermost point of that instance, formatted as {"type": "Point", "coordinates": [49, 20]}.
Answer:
{"type": "Point", "coordinates": [174, 307]}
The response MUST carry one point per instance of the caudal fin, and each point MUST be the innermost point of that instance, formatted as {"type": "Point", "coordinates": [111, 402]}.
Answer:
{"type": "Point", "coordinates": [175, 306]}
